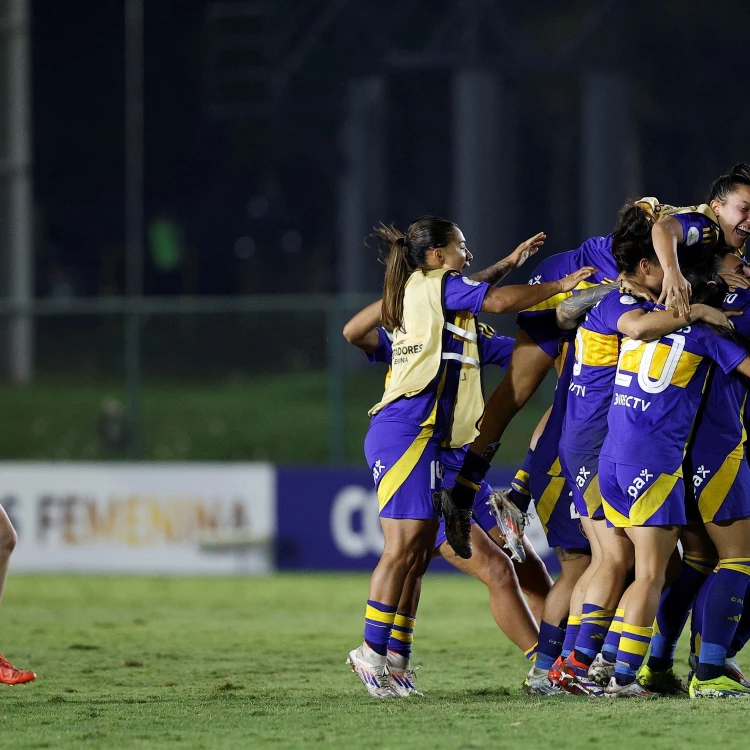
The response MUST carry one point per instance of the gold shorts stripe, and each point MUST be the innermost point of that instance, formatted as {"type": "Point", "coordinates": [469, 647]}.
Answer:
{"type": "Point", "coordinates": [593, 496]}
{"type": "Point", "coordinates": [615, 517]}
{"type": "Point", "coordinates": [717, 488]}
{"type": "Point", "coordinates": [652, 499]}
{"type": "Point", "coordinates": [548, 500]}
{"type": "Point", "coordinates": [399, 472]}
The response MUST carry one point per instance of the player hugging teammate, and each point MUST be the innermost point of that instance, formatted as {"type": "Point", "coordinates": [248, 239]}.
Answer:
{"type": "Point", "coordinates": [646, 435]}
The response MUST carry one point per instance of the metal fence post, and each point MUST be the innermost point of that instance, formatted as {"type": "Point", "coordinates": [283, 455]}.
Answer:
{"type": "Point", "coordinates": [134, 216]}
{"type": "Point", "coordinates": [336, 370]}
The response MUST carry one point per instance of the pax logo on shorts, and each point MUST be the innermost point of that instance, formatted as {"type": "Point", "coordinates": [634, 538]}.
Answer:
{"type": "Point", "coordinates": [377, 470]}
{"type": "Point", "coordinates": [700, 476]}
{"type": "Point", "coordinates": [639, 483]}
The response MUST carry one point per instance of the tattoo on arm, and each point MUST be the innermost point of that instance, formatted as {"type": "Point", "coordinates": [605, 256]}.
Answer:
{"type": "Point", "coordinates": [493, 274]}
{"type": "Point", "coordinates": [576, 306]}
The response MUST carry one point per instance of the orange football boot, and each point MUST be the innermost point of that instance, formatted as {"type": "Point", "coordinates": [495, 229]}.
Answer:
{"type": "Point", "coordinates": [9, 675]}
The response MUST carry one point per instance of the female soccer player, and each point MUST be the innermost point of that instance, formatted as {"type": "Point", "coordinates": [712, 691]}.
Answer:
{"type": "Point", "coordinates": [506, 582]}
{"type": "Point", "coordinates": [658, 390]}
{"type": "Point", "coordinates": [717, 461]}
{"type": "Point", "coordinates": [9, 675]}
{"type": "Point", "coordinates": [433, 396]}
{"type": "Point", "coordinates": [585, 425]}
{"type": "Point", "coordinates": [690, 233]}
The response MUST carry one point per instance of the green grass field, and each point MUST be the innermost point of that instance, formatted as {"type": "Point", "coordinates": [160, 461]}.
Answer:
{"type": "Point", "coordinates": [259, 663]}
{"type": "Point", "coordinates": [279, 418]}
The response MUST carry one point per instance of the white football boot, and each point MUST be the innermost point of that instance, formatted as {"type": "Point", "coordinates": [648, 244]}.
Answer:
{"type": "Point", "coordinates": [402, 679]}
{"type": "Point", "coordinates": [601, 670]}
{"type": "Point", "coordinates": [372, 669]}
{"type": "Point", "coordinates": [511, 521]}
{"type": "Point", "coordinates": [537, 682]}
{"type": "Point", "coordinates": [631, 690]}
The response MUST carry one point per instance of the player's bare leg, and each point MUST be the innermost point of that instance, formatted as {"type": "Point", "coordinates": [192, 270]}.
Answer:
{"type": "Point", "coordinates": [9, 675]}
{"type": "Point", "coordinates": [490, 565]}
{"type": "Point", "coordinates": [529, 366]}
{"type": "Point", "coordinates": [532, 575]}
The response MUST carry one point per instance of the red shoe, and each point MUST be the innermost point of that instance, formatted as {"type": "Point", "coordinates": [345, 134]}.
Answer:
{"type": "Point", "coordinates": [9, 675]}
{"type": "Point", "coordinates": [555, 675]}
{"type": "Point", "coordinates": [572, 676]}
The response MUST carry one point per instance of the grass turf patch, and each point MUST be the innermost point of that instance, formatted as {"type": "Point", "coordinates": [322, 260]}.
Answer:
{"type": "Point", "coordinates": [129, 662]}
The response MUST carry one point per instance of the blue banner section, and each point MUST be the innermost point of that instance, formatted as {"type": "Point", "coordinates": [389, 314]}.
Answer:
{"type": "Point", "coordinates": [328, 520]}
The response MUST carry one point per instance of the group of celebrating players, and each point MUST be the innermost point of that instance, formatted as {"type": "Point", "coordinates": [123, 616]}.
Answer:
{"type": "Point", "coordinates": [642, 448]}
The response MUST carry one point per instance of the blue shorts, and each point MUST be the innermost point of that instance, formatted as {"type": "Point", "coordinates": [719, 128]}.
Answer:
{"type": "Point", "coordinates": [582, 472]}
{"type": "Point", "coordinates": [557, 513]}
{"type": "Point", "coordinates": [638, 496]}
{"type": "Point", "coordinates": [721, 485]}
{"type": "Point", "coordinates": [541, 327]}
{"type": "Point", "coordinates": [405, 463]}
{"type": "Point", "coordinates": [482, 516]}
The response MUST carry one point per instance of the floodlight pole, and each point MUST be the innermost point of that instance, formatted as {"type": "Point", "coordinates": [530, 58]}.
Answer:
{"type": "Point", "coordinates": [15, 170]}
{"type": "Point", "coordinates": [134, 213]}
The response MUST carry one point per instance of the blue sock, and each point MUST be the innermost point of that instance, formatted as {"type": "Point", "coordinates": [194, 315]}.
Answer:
{"type": "Point", "coordinates": [402, 634]}
{"type": "Point", "coordinates": [595, 622]}
{"type": "Point", "coordinates": [722, 612]}
{"type": "Point", "coordinates": [696, 621]}
{"type": "Point", "coordinates": [741, 635]}
{"type": "Point", "coordinates": [520, 494]}
{"type": "Point", "coordinates": [571, 633]}
{"type": "Point", "coordinates": [674, 608]}
{"type": "Point", "coordinates": [378, 624]}
{"type": "Point", "coordinates": [612, 639]}
{"type": "Point", "coordinates": [634, 643]}
{"type": "Point", "coordinates": [549, 646]}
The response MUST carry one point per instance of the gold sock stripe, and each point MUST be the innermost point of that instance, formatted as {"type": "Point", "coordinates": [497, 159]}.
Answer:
{"type": "Point", "coordinates": [598, 613]}
{"type": "Point", "coordinates": [603, 623]}
{"type": "Point", "coordinates": [466, 483]}
{"type": "Point", "coordinates": [530, 650]}
{"type": "Point", "coordinates": [574, 619]}
{"type": "Point", "coordinates": [377, 616]}
{"type": "Point", "coordinates": [399, 635]}
{"type": "Point", "coordinates": [646, 631]}
{"type": "Point", "coordinates": [404, 621]}
{"type": "Point", "coordinates": [633, 647]}
{"type": "Point", "coordinates": [734, 560]}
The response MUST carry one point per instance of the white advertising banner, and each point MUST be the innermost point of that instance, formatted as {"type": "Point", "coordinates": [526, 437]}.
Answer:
{"type": "Point", "coordinates": [148, 518]}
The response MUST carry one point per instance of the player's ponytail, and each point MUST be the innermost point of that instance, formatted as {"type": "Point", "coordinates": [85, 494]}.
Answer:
{"type": "Point", "coordinates": [631, 239]}
{"type": "Point", "coordinates": [402, 254]}
{"type": "Point", "coordinates": [725, 185]}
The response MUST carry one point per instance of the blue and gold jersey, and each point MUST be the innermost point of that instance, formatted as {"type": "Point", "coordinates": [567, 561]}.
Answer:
{"type": "Point", "coordinates": [658, 390]}
{"type": "Point", "coordinates": [494, 349]}
{"type": "Point", "coordinates": [597, 349]}
{"type": "Point", "coordinates": [460, 294]}
{"type": "Point", "coordinates": [546, 455]}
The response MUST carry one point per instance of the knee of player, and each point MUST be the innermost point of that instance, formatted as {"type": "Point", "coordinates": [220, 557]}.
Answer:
{"type": "Point", "coordinates": [8, 539]}
{"type": "Point", "coordinates": [500, 570]}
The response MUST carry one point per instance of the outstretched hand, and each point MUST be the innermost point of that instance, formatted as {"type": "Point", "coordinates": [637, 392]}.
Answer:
{"type": "Point", "coordinates": [526, 249]}
{"type": "Point", "coordinates": [571, 281]}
